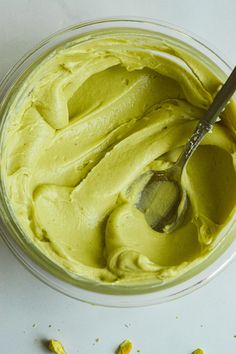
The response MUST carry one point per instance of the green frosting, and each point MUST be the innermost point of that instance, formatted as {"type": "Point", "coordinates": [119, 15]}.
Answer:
{"type": "Point", "coordinates": [91, 118]}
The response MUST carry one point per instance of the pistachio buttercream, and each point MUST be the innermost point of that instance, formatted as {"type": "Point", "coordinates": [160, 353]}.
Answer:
{"type": "Point", "coordinates": [90, 118]}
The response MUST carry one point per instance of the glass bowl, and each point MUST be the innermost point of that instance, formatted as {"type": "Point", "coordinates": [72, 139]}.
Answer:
{"type": "Point", "coordinates": [30, 256]}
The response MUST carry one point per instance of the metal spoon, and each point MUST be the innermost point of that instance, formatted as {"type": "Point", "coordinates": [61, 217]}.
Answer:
{"type": "Point", "coordinates": [163, 200]}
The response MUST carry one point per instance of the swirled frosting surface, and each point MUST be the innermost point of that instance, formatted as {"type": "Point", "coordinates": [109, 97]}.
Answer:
{"type": "Point", "coordinates": [93, 116]}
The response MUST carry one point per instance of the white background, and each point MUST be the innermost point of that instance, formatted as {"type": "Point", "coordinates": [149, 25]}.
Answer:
{"type": "Point", "coordinates": [206, 318]}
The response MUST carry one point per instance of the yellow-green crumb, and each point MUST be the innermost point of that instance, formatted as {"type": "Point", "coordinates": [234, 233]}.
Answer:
{"type": "Point", "coordinates": [56, 347]}
{"type": "Point", "coordinates": [97, 339]}
{"type": "Point", "coordinates": [125, 347]}
{"type": "Point", "coordinates": [198, 351]}
{"type": "Point", "coordinates": [138, 350]}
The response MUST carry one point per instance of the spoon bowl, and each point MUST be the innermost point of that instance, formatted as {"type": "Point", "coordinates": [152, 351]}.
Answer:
{"type": "Point", "coordinates": [163, 186]}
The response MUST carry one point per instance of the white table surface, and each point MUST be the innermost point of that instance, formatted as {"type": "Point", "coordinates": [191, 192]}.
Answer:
{"type": "Point", "coordinates": [205, 318]}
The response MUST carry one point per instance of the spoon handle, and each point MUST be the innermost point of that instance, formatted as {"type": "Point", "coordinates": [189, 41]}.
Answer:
{"type": "Point", "coordinates": [205, 124]}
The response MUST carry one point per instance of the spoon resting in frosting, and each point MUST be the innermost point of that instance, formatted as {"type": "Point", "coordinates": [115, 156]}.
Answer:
{"type": "Point", "coordinates": [162, 199]}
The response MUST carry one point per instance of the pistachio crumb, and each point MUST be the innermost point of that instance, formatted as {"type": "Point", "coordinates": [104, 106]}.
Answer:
{"type": "Point", "coordinates": [56, 347]}
{"type": "Point", "coordinates": [198, 351]}
{"type": "Point", "coordinates": [125, 347]}
{"type": "Point", "coordinates": [97, 339]}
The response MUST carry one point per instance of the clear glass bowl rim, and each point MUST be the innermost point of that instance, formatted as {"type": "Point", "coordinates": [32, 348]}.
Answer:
{"type": "Point", "coordinates": [91, 292]}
